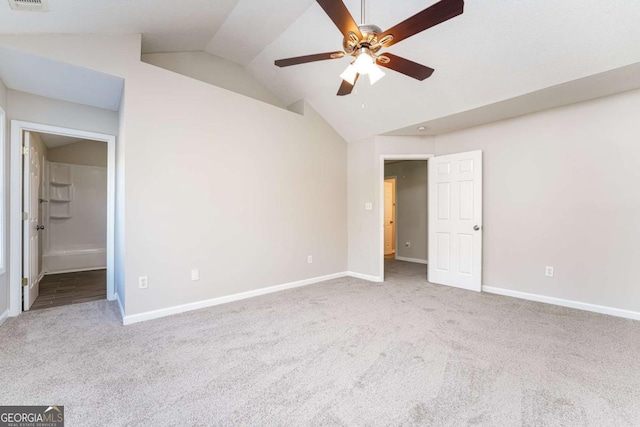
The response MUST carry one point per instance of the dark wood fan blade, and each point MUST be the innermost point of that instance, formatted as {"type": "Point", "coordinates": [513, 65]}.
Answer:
{"type": "Point", "coordinates": [340, 16]}
{"type": "Point", "coordinates": [309, 58]}
{"type": "Point", "coordinates": [431, 16]}
{"type": "Point", "coordinates": [346, 87]}
{"type": "Point", "coordinates": [406, 67]}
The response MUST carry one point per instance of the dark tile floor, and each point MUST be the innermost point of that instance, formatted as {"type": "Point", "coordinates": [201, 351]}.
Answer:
{"type": "Point", "coordinates": [71, 288]}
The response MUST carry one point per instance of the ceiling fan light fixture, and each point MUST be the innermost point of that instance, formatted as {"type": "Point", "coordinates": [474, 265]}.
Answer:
{"type": "Point", "coordinates": [349, 75]}
{"type": "Point", "coordinates": [375, 74]}
{"type": "Point", "coordinates": [364, 63]}
{"type": "Point", "coordinates": [364, 42]}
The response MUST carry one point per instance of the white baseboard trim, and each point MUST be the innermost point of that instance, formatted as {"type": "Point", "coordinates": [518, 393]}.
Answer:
{"type": "Point", "coordinates": [163, 312]}
{"type": "Point", "coordinates": [364, 276]}
{"type": "Point", "coordinates": [120, 306]}
{"type": "Point", "coordinates": [416, 260]}
{"type": "Point", "coordinates": [611, 311]}
{"type": "Point", "coordinates": [4, 316]}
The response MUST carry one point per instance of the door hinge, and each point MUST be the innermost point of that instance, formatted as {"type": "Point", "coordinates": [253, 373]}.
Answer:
{"type": "Point", "coordinates": [25, 151]}
{"type": "Point", "coordinates": [25, 216]}
{"type": "Point", "coordinates": [25, 281]}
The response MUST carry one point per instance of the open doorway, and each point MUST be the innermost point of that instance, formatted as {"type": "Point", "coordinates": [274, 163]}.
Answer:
{"type": "Point", "coordinates": [404, 196]}
{"type": "Point", "coordinates": [453, 222]}
{"type": "Point", "coordinates": [65, 197]}
{"type": "Point", "coordinates": [62, 217]}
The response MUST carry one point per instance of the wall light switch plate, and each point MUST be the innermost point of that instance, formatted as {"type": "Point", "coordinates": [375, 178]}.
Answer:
{"type": "Point", "coordinates": [548, 271]}
{"type": "Point", "coordinates": [195, 274]}
{"type": "Point", "coordinates": [310, 259]}
{"type": "Point", "coordinates": [368, 206]}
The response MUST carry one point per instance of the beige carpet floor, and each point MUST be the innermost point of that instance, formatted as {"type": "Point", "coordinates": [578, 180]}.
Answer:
{"type": "Point", "coordinates": [344, 352]}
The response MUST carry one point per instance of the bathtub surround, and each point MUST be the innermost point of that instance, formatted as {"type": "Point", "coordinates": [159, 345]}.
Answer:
{"type": "Point", "coordinates": [77, 218]}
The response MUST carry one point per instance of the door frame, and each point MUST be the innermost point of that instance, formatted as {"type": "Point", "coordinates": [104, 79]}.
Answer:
{"type": "Point", "coordinates": [384, 157]}
{"type": "Point", "coordinates": [15, 217]}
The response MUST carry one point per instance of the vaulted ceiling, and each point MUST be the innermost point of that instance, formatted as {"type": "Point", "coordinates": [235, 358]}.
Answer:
{"type": "Point", "coordinates": [496, 51]}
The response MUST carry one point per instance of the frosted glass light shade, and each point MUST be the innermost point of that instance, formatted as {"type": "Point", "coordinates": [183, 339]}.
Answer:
{"type": "Point", "coordinates": [375, 74]}
{"type": "Point", "coordinates": [349, 74]}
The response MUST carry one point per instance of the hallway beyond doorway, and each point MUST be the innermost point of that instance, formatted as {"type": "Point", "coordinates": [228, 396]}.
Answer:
{"type": "Point", "coordinates": [404, 270]}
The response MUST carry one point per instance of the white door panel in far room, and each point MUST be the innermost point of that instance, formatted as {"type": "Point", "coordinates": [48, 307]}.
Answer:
{"type": "Point", "coordinates": [455, 220]}
{"type": "Point", "coordinates": [389, 216]}
{"type": "Point", "coordinates": [31, 229]}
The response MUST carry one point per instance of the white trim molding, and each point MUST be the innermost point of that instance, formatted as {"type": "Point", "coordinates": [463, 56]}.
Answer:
{"type": "Point", "coordinates": [4, 167]}
{"type": "Point", "coordinates": [611, 311]}
{"type": "Point", "coordinates": [364, 276]}
{"type": "Point", "coordinates": [15, 216]}
{"type": "Point", "coordinates": [4, 316]}
{"type": "Point", "coordinates": [163, 312]}
{"type": "Point", "coordinates": [120, 306]}
{"type": "Point", "coordinates": [416, 260]}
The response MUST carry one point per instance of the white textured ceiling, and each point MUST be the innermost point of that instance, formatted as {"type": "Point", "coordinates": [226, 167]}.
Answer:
{"type": "Point", "coordinates": [496, 51]}
{"type": "Point", "coordinates": [248, 29]}
{"type": "Point", "coordinates": [166, 25]}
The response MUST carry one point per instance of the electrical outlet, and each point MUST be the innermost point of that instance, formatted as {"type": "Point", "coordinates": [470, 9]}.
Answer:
{"type": "Point", "coordinates": [143, 282]}
{"type": "Point", "coordinates": [310, 259]}
{"type": "Point", "coordinates": [195, 274]}
{"type": "Point", "coordinates": [368, 206]}
{"type": "Point", "coordinates": [548, 271]}
{"type": "Point", "coordinates": [407, 244]}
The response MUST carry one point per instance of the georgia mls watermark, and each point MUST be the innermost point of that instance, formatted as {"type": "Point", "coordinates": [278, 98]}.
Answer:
{"type": "Point", "coordinates": [32, 416]}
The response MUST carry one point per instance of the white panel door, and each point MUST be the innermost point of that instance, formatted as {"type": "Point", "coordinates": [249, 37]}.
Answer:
{"type": "Point", "coordinates": [388, 218]}
{"type": "Point", "coordinates": [455, 220]}
{"type": "Point", "coordinates": [31, 229]}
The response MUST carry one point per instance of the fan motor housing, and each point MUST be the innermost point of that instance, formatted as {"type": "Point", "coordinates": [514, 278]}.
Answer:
{"type": "Point", "coordinates": [369, 39]}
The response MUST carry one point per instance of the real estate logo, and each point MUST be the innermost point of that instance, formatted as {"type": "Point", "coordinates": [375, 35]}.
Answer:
{"type": "Point", "coordinates": [32, 416]}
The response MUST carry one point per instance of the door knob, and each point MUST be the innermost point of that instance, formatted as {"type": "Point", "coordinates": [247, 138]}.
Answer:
{"type": "Point", "coordinates": [476, 227]}
{"type": "Point", "coordinates": [40, 227]}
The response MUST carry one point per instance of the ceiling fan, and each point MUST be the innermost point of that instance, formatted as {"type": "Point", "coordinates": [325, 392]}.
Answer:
{"type": "Point", "coordinates": [363, 42]}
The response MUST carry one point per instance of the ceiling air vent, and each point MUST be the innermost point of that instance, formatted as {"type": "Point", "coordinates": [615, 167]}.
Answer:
{"type": "Point", "coordinates": [29, 5]}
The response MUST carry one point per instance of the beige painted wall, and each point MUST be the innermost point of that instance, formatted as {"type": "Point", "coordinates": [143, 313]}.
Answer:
{"type": "Point", "coordinates": [411, 207]}
{"type": "Point", "coordinates": [4, 146]}
{"type": "Point", "coordinates": [240, 189]}
{"type": "Point", "coordinates": [561, 189]}
{"type": "Point", "coordinates": [214, 70]}
{"type": "Point", "coordinates": [39, 109]}
{"type": "Point", "coordinates": [89, 153]}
